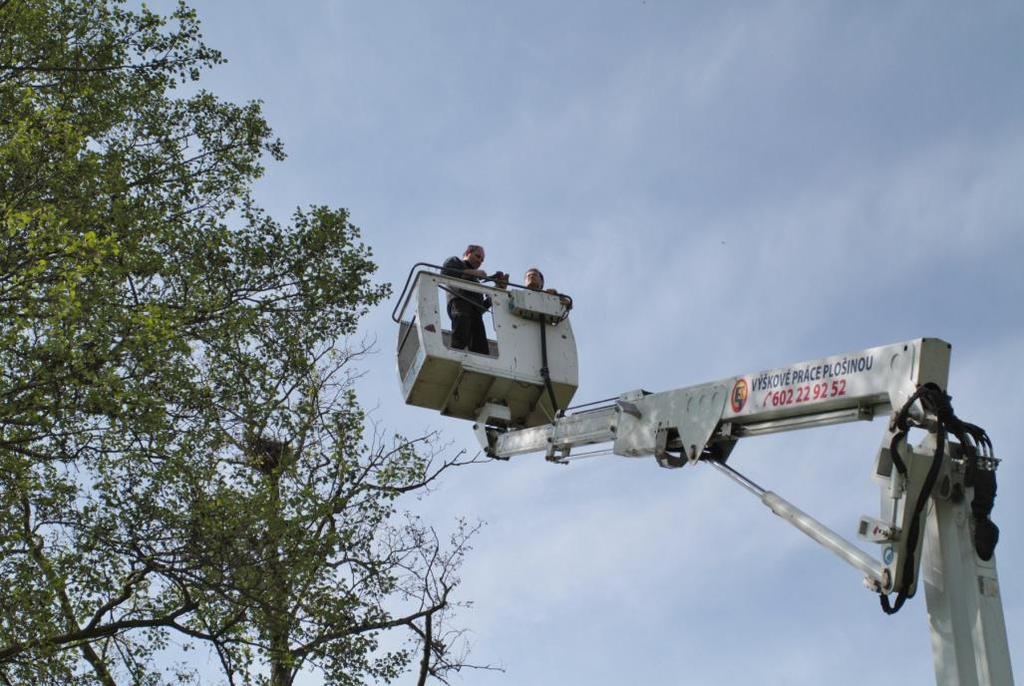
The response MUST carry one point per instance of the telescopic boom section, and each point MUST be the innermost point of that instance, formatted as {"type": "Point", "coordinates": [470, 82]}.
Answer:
{"type": "Point", "coordinates": [678, 426]}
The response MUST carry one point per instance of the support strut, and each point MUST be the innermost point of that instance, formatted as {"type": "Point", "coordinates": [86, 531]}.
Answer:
{"type": "Point", "coordinates": [844, 549]}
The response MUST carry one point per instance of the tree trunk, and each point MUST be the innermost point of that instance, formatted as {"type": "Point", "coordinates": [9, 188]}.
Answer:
{"type": "Point", "coordinates": [282, 665]}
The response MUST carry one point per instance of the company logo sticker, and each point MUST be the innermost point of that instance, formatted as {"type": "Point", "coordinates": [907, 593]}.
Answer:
{"type": "Point", "coordinates": [740, 393]}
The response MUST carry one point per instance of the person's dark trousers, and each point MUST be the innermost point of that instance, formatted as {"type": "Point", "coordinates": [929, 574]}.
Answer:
{"type": "Point", "coordinates": [468, 333]}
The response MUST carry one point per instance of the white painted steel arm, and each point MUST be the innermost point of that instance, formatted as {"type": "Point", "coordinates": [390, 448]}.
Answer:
{"type": "Point", "coordinates": [840, 388]}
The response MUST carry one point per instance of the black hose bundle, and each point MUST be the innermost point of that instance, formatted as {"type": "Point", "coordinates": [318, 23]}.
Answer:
{"type": "Point", "coordinates": [980, 473]}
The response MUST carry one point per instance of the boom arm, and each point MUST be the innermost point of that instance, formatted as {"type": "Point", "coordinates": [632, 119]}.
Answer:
{"type": "Point", "coordinates": [931, 486]}
{"type": "Point", "coordinates": [835, 389]}
{"type": "Point", "coordinates": [683, 425]}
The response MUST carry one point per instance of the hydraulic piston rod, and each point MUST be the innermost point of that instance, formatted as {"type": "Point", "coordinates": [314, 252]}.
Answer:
{"type": "Point", "coordinates": [844, 549]}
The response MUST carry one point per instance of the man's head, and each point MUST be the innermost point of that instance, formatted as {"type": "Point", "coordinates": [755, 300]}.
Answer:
{"type": "Point", "coordinates": [533, 279]}
{"type": "Point", "coordinates": [474, 256]}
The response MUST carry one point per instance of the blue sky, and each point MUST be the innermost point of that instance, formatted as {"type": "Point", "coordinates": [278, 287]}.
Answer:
{"type": "Point", "coordinates": [723, 188]}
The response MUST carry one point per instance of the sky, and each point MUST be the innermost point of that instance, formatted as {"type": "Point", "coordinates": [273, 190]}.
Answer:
{"type": "Point", "coordinates": [723, 188]}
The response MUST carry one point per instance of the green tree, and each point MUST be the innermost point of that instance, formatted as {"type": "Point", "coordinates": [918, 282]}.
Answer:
{"type": "Point", "coordinates": [182, 456]}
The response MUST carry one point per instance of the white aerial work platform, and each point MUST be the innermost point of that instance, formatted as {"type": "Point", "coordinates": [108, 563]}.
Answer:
{"type": "Point", "coordinates": [529, 375]}
{"type": "Point", "coordinates": [935, 497]}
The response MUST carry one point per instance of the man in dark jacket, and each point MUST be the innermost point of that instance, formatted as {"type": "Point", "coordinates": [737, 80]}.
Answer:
{"type": "Point", "coordinates": [466, 308]}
